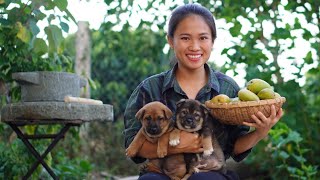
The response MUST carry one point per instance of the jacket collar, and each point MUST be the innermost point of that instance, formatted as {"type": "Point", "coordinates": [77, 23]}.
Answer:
{"type": "Point", "coordinates": [170, 79]}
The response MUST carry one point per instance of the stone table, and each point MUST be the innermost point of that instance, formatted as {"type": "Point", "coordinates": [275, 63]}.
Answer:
{"type": "Point", "coordinates": [50, 113]}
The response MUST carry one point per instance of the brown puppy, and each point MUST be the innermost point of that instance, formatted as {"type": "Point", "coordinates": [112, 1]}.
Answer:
{"type": "Point", "coordinates": [192, 116]}
{"type": "Point", "coordinates": [156, 120]}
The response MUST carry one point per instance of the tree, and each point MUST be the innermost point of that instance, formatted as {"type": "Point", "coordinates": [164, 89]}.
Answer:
{"type": "Point", "coordinates": [21, 48]}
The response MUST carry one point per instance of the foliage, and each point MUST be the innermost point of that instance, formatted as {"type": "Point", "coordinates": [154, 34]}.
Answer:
{"type": "Point", "coordinates": [21, 48]}
{"type": "Point", "coordinates": [67, 168]}
{"type": "Point", "coordinates": [258, 49]}
{"type": "Point", "coordinates": [107, 151]}
{"type": "Point", "coordinates": [16, 159]}
{"type": "Point", "coordinates": [13, 159]}
{"type": "Point", "coordinates": [123, 59]}
{"type": "Point", "coordinates": [24, 48]}
{"type": "Point", "coordinates": [288, 155]}
{"type": "Point", "coordinates": [264, 41]}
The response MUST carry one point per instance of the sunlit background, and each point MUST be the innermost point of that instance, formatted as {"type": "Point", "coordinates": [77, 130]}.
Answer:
{"type": "Point", "coordinates": [275, 40]}
{"type": "Point", "coordinates": [95, 12]}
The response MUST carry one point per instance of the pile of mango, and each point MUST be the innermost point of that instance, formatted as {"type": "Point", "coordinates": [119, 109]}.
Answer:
{"type": "Point", "coordinates": [255, 90]}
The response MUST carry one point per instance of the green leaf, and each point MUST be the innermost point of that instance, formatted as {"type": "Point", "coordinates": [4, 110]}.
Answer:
{"type": "Point", "coordinates": [39, 15]}
{"type": "Point", "coordinates": [235, 30]}
{"type": "Point", "coordinates": [308, 59]}
{"type": "Point", "coordinates": [61, 4]}
{"type": "Point", "coordinates": [2, 39]}
{"type": "Point", "coordinates": [50, 5]}
{"type": "Point", "coordinates": [39, 46]}
{"type": "Point", "coordinates": [23, 33]}
{"type": "Point", "coordinates": [297, 24]}
{"type": "Point", "coordinates": [4, 22]}
{"type": "Point", "coordinates": [55, 38]}
{"type": "Point", "coordinates": [70, 15]}
{"type": "Point", "coordinates": [300, 159]}
{"type": "Point", "coordinates": [34, 28]}
{"type": "Point", "coordinates": [64, 26]}
{"type": "Point", "coordinates": [85, 165]}
{"type": "Point", "coordinates": [294, 136]}
{"type": "Point", "coordinates": [92, 83]}
{"type": "Point", "coordinates": [284, 155]}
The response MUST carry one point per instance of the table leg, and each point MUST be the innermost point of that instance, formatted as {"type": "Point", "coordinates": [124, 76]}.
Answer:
{"type": "Point", "coordinates": [36, 154]}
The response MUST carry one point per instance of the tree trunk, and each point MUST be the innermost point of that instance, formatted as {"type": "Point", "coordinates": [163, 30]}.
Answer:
{"type": "Point", "coordinates": [83, 68]}
{"type": "Point", "coordinates": [83, 51]}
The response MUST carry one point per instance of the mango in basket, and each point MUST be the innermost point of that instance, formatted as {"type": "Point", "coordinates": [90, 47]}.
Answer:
{"type": "Point", "coordinates": [256, 85]}
{"type": "Point", "coordinates": [277, 95]}
{"type": "Point", "coordinates": [221, 98]}
{"type": "Point", "coordinates": [267, 93]}
{"type": "Point", "coordinates": [246, 95]}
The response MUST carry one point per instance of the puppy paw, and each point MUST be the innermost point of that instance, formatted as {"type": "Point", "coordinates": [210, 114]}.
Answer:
{"type": "Point", "coordinates": [130, 152]}
{"type": "Point", "coordinates": [207, 152]}
{"type": "Point", "coordinates": [174, 142]}
{"type": "Point", "coordinates": [199, 167]}
{"type": "Point", "coordinates": [161, 153]}
{"type": "Point", "coordinates": [196, 170]}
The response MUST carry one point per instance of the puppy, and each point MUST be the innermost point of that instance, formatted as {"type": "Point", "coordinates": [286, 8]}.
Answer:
{"type": "Point", "coordinates": [156, 120]}
{"type": "Point", "coordinates": [192, 116]}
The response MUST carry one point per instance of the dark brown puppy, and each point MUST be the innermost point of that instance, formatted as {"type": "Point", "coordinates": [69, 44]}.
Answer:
{"type": "Point", "coordinates": [156, 120]}
{"type": "Point", "coordinates": [192, 116]}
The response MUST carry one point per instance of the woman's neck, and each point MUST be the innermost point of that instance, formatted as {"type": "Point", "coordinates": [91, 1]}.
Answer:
{"type": "Point", "coordinates": [191, 81]}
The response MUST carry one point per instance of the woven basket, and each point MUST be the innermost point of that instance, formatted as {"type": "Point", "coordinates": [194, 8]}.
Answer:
{"type": "Point", "coordinates": [235, 113]}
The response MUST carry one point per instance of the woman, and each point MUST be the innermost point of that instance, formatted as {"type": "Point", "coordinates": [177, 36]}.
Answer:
{"type": "Point", "coordinates": [191, 35]}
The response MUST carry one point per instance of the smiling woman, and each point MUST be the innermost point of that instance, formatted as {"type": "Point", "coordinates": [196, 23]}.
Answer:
{"type": "Point", "coordinates": [191, 35]}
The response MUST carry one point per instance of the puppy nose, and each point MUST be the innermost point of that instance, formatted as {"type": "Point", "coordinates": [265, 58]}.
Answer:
{"type": "Point", "coordinates": [153, 130]}
{"type": "Point", "coordinates": [189, 119]}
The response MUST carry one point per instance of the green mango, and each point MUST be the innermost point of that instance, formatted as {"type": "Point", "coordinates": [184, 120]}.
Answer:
{"type": "Point", "coordinates": [267, 93]}
{"type": "Point", "coordinates": [221, 98]}
{"type": "Point", "coordinates": [277, 95]}
{"type": "Point", "coordinates": [246, 95]}
{"type": "Point", "coordinates": [256, 85]}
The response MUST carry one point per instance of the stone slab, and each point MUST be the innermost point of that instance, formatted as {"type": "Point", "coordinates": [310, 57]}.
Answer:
{"type": "Point", "coordinates": [55, 112]}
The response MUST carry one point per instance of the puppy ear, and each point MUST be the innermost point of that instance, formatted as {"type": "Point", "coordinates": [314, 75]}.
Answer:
{"type": "Point", "coordinates": [140, 113]}
{"type": "Point", "coordinates": [179, 103]}
{"type": "Point", "coordinates": [167, 113]}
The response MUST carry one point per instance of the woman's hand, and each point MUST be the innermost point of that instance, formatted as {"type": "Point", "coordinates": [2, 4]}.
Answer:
{"type": "Point", "coordinates": [189, 143]}
{"type": "Point", "coordinates": [263, 124]}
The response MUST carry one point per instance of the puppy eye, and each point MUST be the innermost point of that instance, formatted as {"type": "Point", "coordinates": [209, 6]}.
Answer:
{"type": "Point", "coordinates": [197, 116]}
{"type": "Point", "coordinates": [148, 118]}
{"type": "Point", "coordinates": [160, 118]}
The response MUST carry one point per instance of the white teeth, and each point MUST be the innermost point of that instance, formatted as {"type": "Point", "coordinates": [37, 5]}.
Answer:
{"type": "Point", "coordinates": [194, 56]}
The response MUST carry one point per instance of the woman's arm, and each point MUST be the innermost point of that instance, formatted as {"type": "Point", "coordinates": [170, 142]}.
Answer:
{"type": "Point", "coordinates": [189, 143]}
{"type": "Point", "coordinates": [262, 127]}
